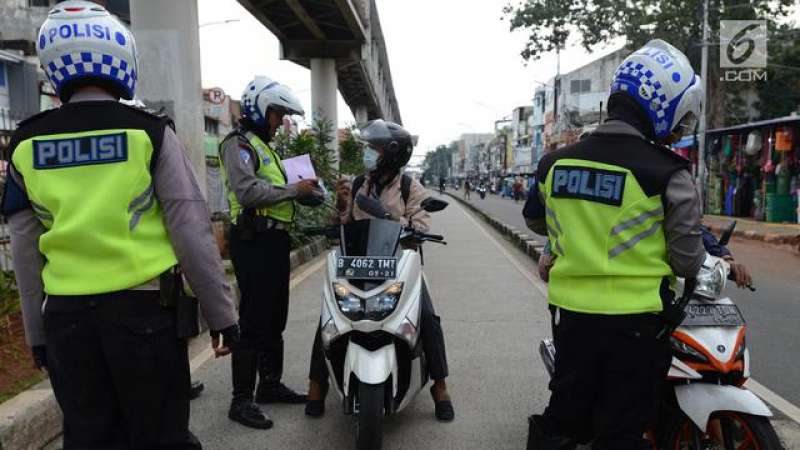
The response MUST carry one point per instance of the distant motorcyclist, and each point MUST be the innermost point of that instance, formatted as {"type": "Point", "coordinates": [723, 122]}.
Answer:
{"type": "Point", "coordinates": [389, 148]}
{"type": "Point", "coordinates": [623, 218]}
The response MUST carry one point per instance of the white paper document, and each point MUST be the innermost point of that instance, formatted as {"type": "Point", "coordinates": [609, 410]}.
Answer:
{"type": "Point", "coordinates": [299, 168]}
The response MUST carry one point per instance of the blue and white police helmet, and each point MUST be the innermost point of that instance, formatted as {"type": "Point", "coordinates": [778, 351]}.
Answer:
{"type": "Point", "coordinates": [81, 43]}
{"type": "Point", "coordinates": [263, 94]}
{"type": "Point", "coordinates": [661, 79]}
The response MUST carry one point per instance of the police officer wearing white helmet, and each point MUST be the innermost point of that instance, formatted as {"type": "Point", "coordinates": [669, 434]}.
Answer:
{"type": "Point", "coordinates": [262, 207]}
{"type": "Point", "coordinates": [623, 219]}
{"type": "Point", "coordinates": [102, 204]}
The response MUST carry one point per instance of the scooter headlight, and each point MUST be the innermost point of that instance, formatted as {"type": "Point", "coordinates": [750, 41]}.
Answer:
{"type": "Point", "coordinates": [378, 307]}
{"type": "Point", "coordinates": [710, 281]}
{"type": "Point", "coordinates": [684, 349]}
{"type": "Point", "coordinates": [349, 304]}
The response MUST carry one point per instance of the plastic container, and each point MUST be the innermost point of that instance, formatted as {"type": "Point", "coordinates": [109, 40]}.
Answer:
{"type": "Point", "coordinates": [780, 208]}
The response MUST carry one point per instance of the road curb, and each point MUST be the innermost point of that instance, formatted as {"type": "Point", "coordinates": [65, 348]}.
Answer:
{"type": "Point", "coordinates": [32, 419]}
{"type": "Point", "coordinates": [769, 238]}
{"type": "Point", "coordinates": [519, 238]}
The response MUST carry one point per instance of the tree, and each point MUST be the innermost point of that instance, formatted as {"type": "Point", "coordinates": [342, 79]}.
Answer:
{"type": "Point", "coordinates": [551, 23]}
{"type": "Point", "coordinates": [438, 163]}
{"type": "Point", "coordinates": [316, 143]}
{"type": "Point", "coordinates": [351, 154]}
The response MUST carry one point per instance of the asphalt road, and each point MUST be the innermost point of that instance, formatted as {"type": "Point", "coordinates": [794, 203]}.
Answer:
{"type": "Point", "coordinates": [493, 313]}
{"type": "Point", "coordinates": [772, 312]}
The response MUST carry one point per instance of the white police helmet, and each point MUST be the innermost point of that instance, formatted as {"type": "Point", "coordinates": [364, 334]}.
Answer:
{"type": "Point", "coordinates": [661, 79]}
{"type": "Point", "coordinates": [82, 42]}
{"type": "Point", "coordinates": [263, 94]}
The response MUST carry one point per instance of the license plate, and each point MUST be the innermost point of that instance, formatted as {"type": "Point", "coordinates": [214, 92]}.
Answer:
{"type": "Point", "coordinates": [366, 268]}
{"type": "Point", "coordinates": [702, 315]}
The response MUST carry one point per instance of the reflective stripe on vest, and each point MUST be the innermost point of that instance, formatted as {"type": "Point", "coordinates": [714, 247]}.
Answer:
{"type": "Point", "coordinates": [93, 192]}
{"type": "Point", "coordinates": [609, 239]}
{"type": "Point", "coordinates": [269, 168]}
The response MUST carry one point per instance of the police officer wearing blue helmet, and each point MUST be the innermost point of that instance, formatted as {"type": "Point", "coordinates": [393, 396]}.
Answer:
{"type": "Point", "coordinates": [102, 205]}
{"type": "Point", "coordinates": [622, 216]}
{"type": "Point", "coordinates": [262, 208]}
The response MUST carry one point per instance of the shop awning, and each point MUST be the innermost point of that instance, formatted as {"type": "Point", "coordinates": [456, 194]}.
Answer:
{"type": "Point", "coordinates": [10, 57]}
{"type": "Point", "coordinates": [759, 124]}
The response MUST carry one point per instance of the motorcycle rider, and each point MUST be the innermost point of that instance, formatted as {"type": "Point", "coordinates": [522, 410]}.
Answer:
{"type": "Point", "coordinates": [389, 148]}
{"type": "Point", "coordinates": [262, 208]}
{"type": "Point", "coordinates": [623, 218]}
{"type": "Point", "coordinates": [102, 204]}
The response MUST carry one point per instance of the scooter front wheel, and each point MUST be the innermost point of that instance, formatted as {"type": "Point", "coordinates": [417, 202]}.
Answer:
{"type": "Point", "coordinates": [726, 430]}
{"type": "Point", "coordinates": [369, 420]}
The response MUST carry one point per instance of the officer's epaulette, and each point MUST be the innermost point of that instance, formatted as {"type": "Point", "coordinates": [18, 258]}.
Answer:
{"type": "Point", "coordinates": [153, 114]}
{"type": "Point", "coordinates": [35, 117]}
{"type": "Point", "coordinates": [671, 155]}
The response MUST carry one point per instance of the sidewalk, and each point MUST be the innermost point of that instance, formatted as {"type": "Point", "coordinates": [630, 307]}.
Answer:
{"type": "Point", "coordinates": [772, 233]}
{"type": "Point", "coordinates": [510, 214]}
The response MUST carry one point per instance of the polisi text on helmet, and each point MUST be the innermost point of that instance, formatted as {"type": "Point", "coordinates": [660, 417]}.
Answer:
{"type": "Point", "coordinates": [658, 55]}
{"type": "Point", "coordinates": [72, 31]}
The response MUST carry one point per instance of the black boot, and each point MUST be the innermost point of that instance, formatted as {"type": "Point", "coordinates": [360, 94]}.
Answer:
{"type": "Point", "coordinates": [196, 389]}
{"type": "Point", "coordinates": [316, 408]}
{"type": "Point", "coordinates": [244, 366]}
{"type": "Point", "coordinates": [539, 439]}
{"type": "Point", "coordinates": [270, 370]}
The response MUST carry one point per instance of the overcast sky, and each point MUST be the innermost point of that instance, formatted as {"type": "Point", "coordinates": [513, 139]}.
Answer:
{"type": "Point", "coordinates": [456, 67]}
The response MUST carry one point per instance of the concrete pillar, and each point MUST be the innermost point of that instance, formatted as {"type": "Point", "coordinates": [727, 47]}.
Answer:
{"type": "Point", "coordinates": [168, 42]}
{"type": "Point", "coordinates": [323, 96]}
{"type": "Point", "coordinates": [361, 114]}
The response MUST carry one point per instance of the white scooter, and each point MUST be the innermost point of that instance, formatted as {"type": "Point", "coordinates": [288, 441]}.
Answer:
{"type": "Point", "coordinates": [370, 317]}
{"type": "Point", "coordinates": [705, 404]}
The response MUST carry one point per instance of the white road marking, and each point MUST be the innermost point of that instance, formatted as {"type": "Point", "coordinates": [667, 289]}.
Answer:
{"type": "Point", "coordinates": [204, 356]}
{"type": "Point", "coordinates": [781, 404]}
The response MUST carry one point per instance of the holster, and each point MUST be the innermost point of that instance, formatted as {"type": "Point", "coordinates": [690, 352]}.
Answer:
{"type": "Point", "coordinates": [173, 295]}
{"type": "Point", "coordinates": [246, 225]}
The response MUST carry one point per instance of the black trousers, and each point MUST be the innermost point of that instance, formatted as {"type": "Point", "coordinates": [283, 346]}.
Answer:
{"type": "Point", "coordinates": [431, 334]}
{"type": "Point", "coordinates": [262, 270]}
{"type": "Point", "coordinates": [119, 373]}
{"type": "Point", "coordinates": [608, 374]}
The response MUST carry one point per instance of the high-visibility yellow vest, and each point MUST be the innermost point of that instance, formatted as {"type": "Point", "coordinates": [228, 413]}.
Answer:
{"type": "Point", "coordinates": [268, 167]}
{"type": "Point", "coordinates": [608, 238]}
{"type": "Point", "coordinates": [93, 192]}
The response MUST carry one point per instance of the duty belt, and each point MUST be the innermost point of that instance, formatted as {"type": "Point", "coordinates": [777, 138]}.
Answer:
{"type": "Point", "coordinates": [264, 223]}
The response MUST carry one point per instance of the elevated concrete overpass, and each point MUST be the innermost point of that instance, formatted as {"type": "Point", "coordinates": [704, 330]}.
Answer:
{"type": "Point", "coordinates": [342, 42]}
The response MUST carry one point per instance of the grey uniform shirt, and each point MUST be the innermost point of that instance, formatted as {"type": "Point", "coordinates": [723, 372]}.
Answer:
{"type": "Point", "coordinates": [682, 215]}
{"type": "Point", "coordinates": [186, 217]}
{"type": "Point", "coordinates": [240, 169]}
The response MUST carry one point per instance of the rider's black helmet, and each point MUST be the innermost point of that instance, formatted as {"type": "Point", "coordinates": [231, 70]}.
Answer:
{"type": "Point", "coordinates": [396, 142]}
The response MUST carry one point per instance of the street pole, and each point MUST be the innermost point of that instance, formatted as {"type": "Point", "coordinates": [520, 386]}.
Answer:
{"type": "Point", "coordinates": [701, 132]}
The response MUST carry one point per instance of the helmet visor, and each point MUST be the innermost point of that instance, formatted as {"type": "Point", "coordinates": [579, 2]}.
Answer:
{"type": "Point", "coordinates": [375, 134]}
{"type": "Point", "coordinates": [686, 126]}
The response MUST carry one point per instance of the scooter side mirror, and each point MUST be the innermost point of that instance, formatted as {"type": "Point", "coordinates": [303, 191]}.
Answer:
{"type": "Point", "coordinates": [431, 204]}
{"type": "Point", "coordinates": [726, 235]}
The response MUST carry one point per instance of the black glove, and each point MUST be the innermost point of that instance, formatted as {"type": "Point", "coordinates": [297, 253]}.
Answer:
{"type": "Point", "coordinates": [230, 336]}
{"type": "Point", "coordinates": [39, 353]}
{"type": "Point", "coordinates": [372, 206]}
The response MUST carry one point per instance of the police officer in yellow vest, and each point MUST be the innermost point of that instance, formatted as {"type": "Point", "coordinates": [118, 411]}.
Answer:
{"type": "Point", "coordinates": [262, 208]}
{"type": "Point", "coordinates": [623, 218]}
{"type": "Point", "coordinates": [102, 203]}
